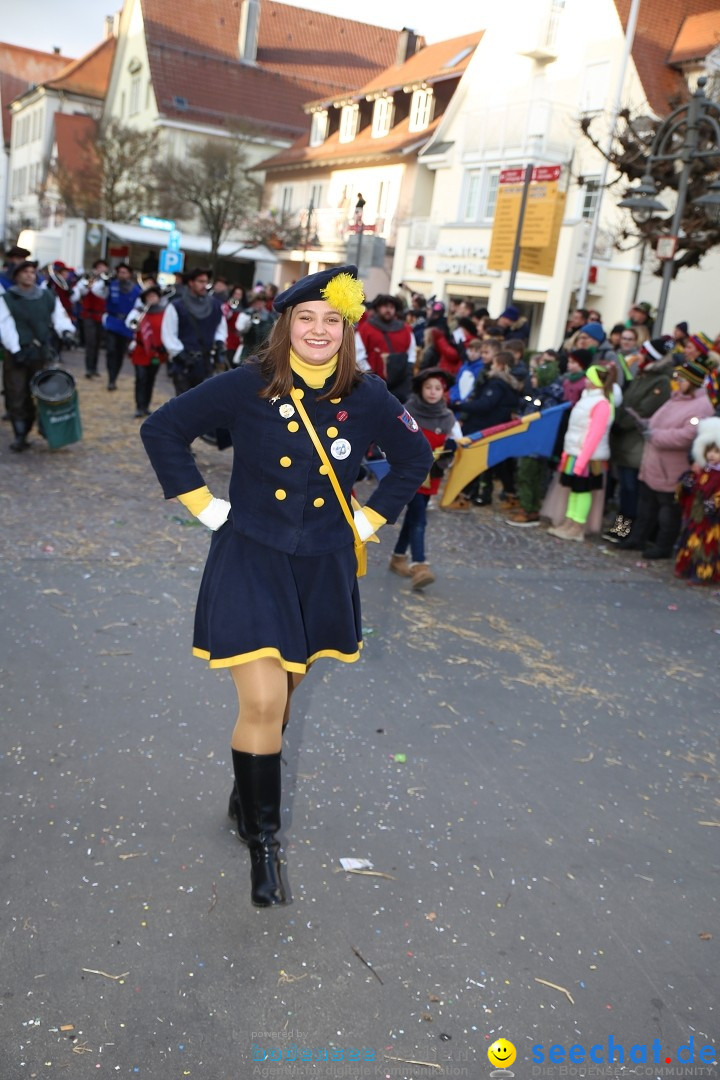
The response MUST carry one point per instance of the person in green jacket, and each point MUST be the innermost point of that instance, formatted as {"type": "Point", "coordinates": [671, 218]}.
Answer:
{"type": "Point", "coordinates": [642, 396]}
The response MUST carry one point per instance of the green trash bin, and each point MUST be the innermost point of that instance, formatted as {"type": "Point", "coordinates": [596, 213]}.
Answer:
{"type": "Point", "coordinates": [57, 405]}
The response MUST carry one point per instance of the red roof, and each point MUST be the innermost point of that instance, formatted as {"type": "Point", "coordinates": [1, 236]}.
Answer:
{"type": "Point", "coordinates": [698, 36]}
{"type": "Point", "coordinates": [197, 74]}
{"type": "Point", "coordinates": [90, 74]}
{"type": "Point", "coordinates": [659, 23]}
{"type": "Point", "coordinates": [431, 64]}
{"type": "Point", "coordinates": [21, 68]}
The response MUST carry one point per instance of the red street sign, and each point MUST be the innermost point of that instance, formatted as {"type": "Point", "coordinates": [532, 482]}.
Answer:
{"type": "Point", "coordinates": [361, 228]}
{"type": "Point", "coordinates": [541, 173]}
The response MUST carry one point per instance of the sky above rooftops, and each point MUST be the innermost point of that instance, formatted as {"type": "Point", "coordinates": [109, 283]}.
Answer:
{"type": "Point", "coordinates": [77, 25]}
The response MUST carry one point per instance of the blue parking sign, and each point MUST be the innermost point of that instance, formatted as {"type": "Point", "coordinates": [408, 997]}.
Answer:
{"type": "Point", "coordinates": [171, 262]}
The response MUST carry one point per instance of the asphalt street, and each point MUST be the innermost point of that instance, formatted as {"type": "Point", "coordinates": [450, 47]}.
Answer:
{"type": "Point", "coordinates": [527, 754]}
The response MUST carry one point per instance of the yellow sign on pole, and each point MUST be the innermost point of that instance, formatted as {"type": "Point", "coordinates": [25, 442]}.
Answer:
{"type": "Point", "coordinates": [541, 225]}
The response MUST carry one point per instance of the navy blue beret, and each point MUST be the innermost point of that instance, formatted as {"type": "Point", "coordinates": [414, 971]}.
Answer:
{"type": "Point", "coordinates": [310, 287]}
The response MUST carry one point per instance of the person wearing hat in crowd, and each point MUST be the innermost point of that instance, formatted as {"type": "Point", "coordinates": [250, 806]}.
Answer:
{"type": "Point", "coordinates": [643, 395]}
{"type": "Point", "coordinates": [59, 283]}
{"type": "Point", "coordinates": [698, 549]}
{"type": "Point", "coordinates": [697, 347]}
{"type": "Point", "coordinates": [88, 293]}
{"type": "Point", "coordinates": [513, 324]}
{"type": "Point", "coordinates": [640, 318]}
{"type": "Point", "coordinates": [147, 351]}
{"type": "Point", "coordinates": [573, 384]}
{"type": "Point", "coordinates": [13, 257]}
{"type": "Point", "coordinates": [29, 319]}
{"type": "Point", "coordinates": [591, 336]}
{"type": "Point", "coordinates": [254, 324]}
{"type": "Point", "coordinates": [668, 434]}
{"type": "Point", "coordinates": [680, 336]}
{"type": "Point", "coordinates": [426, 405]}
{"type": "Point", "coordinates": [280, 588]}
{"type": "Point", "coordinates": [389, 344]}
{"type": "Point", "coordinates": [194, 333]}
{"type": "Point", "coordinates": [586, 451]}
{"type": "Point", "coordinates": [120, 294]}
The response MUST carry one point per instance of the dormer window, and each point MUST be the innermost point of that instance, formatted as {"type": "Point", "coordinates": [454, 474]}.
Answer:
{"type": "Point", "coordinates": [349, 118]}
{"type": "Point", "coordinates": [421, 109]}
{"type": "Point", "coordinates": [383, 115]}
{"type": "Point", "coordinates": [318, 128]}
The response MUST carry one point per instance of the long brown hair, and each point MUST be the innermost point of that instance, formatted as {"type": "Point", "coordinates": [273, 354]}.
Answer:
{"type": "Point", "coordinates": [274, 357]}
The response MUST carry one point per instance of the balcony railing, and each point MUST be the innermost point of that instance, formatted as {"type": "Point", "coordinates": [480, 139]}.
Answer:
{"type": "Point", "coordinates": [528, 129]}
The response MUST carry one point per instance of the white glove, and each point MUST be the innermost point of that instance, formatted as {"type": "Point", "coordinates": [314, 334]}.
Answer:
{"type": "Point", "coordinates": [362, 524]}
{"type": "Point", "coordinates": [215, 514]}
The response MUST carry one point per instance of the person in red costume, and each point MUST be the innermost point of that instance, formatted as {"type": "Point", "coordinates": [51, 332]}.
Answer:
{"type": "Point", "coordinates": [389, 344]}
{"type": "Point", "coordinates": [148, 352]}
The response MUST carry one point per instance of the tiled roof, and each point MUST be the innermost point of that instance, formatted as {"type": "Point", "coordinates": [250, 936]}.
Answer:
{"type": "Point", "coordinates": [699, 35]}
{"type": "Point", "coordinates": [659, 23]}
{"type": "Point", "coordinates": [362, 148]}
{"type": "Point", "coordinates": [21, 68]}
{"type": "Point", "coordinates": [90, 74]}
{"type": "Point", "coordinates": [73, 138]}
{"type": "Point", "coordinates": [193, 53]}
{"type": "Point", "coordinates": [428, 65]}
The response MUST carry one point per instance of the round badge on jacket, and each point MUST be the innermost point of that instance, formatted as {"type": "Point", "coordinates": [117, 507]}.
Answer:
{"type": "Point", "coordinates": [340, 449]}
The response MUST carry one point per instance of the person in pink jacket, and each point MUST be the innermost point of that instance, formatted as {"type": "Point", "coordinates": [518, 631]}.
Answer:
{"type": "Point", "coordinates": [669, 434]}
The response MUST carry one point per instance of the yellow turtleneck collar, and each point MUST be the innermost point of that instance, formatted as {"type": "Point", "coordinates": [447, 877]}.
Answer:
{"type": "Point", "coordinates": [313, 375]}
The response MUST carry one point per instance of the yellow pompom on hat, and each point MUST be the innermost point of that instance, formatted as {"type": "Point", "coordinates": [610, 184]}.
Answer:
{"type": "Point", "coordinates": [338, 286]}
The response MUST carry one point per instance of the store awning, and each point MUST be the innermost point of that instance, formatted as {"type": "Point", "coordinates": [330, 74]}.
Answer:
{"type": "Point", "coordinates": [199, 245]}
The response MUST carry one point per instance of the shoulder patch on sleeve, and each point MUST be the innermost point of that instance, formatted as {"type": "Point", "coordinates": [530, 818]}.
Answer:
{"type": "Point", "coordinates": [408, 421]}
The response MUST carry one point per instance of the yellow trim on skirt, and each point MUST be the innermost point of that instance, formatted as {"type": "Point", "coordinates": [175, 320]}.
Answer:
{"type": "Point", "coordinates": [288, 665]}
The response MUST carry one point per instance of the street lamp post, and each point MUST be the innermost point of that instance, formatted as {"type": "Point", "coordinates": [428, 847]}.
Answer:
{"type": "Point", "coordinates": [678, 140]}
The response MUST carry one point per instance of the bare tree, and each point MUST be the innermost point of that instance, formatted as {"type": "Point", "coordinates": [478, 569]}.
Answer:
{"type": "Point", "coordinates": [212, 183]}
{"type": "Point", "coordinates": [127, 159]}
{"type": "Point", "coordinates": [629, 156]}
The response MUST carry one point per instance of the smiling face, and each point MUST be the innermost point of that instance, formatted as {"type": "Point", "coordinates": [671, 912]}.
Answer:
{"type": "Point", "coordinates": [501, 1054]}
{"type": "Point", "coordinates": [316, 331]}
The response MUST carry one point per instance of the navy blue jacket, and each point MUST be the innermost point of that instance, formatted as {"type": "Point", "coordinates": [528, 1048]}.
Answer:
{"type": "Point", "coordinates": [279, 491]}
{"type": "Point", "coordinates": [494, 404]}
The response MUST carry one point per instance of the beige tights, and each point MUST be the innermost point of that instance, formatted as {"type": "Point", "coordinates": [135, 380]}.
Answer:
{"type": "Point", "coordinates": [264, 690]}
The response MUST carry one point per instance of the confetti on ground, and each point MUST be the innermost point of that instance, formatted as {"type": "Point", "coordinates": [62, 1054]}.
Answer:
{"type": "Point", "coordinates": [555, 986]}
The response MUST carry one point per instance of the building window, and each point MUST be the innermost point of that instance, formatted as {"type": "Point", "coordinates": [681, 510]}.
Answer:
{"type": "Point", "coordinates": [122, 105]}
{"type": "Point", "coordinates": [148, 93]}
{"type": "Point", "coordinates": [135, 95]}
{"type": "Point", "coordinates": [315, 195]}
{"type": "Point", "coordinates": [492, 180]}
{"type": "Point", "coordinates": [287, 200]}
{"type": "Point", "coordinates": [383, 113]}
{"type": "Point", "coordinates": [556, 9]}
{"type": "Point", "coordinates": [318, 128]}
{"type": "Point", "coordinates": [421, 108]}
{"type": "Point", "coordinates": [590, 197]}
{"type": "Point", "coordinates": [594, 95]}
{"type": "Point", "coordinates": [349, 118]}
{"type": "Point", "coordinates": [472, 197]}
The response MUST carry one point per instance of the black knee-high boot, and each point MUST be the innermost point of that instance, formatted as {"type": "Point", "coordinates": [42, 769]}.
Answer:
{"type": "Point", "coordinates": [255, 804]}
{"type": "Point", "coordinates": [234, 808]}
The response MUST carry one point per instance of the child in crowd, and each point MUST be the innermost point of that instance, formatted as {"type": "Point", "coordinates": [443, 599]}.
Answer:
{"type": "Point", "coordinates": [427, 407]}
{"type": "Point", "coordinates": [586, 450]}
{"type": "Point", "coordinates": [532, 472]}
{"type": "Point", "coordinates": [471, 370]}
{"type": "Point", "coordinates": [698, 556]}
{"type": "Point", "coordinates": [519, 369]}
{"type": "Point", "coordinates": [493, 401]}
{"type": "Point", "coordinates": [578, 361]}
{"type": "Point", "coordinates": [148, 352]}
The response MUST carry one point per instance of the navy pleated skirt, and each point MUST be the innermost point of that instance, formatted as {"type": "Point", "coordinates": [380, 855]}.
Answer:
{"type": "Point", "coordinates": [256, 602]}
